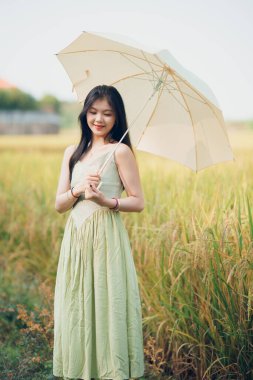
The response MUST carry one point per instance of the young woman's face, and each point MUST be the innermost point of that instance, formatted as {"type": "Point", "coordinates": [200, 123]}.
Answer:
{"type": "Point", "coordinates": [100, 118]}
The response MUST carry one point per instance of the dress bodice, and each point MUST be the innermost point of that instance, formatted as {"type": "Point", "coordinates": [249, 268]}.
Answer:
{"type": "Point", "coordinates": [111, 184]}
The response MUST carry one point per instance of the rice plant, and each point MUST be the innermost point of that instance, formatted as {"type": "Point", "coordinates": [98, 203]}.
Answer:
{"type": "Point", "coordinates": [192, 247]}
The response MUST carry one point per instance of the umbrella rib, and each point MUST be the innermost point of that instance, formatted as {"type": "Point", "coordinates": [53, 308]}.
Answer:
{"type": "Point", "coordinates": [181, 104]}
{"type": "Point", "coordinates": [134, 63]}
{"type": "Point", "coordinates": [174, 89]}
{"type": "Point", "coordinates": [185, 93]}
{"type": "Point", "coordinates": [170, 88]}
{"type": "Point", "coordinates": [208, 103]}
{"type": "Point", "coordinates": [129, 77]}
{"type": "Point", "coordinates": [172, 82]}
{"type": "Point", "coordinates": [111, 51]}
{"type": "Point", "coordinates": [144, 79]}
{"type": "Point", "coordinates": [205, 99]}
{"type": "Point", "coordinates": [170, 92]}
{"type": "Point", "coordinates": [158, 98]}
{"type": "Point", "coordinates": [196, 152]}
{"type": "Point", "coordinates": [127, 131]}
{"type": "Point", "coordinates": [152, 70]}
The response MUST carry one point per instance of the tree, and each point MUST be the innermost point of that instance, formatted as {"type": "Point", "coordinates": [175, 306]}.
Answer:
{"type": "Point", "coordinates": [15, 99]}
{"type": "Point", "coordinates": [50, 103]}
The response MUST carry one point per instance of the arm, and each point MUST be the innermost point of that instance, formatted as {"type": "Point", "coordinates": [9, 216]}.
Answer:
{"type": "Point", "coordinates": [64, 199]}
{"type": "Point", "coordinates": [129, 174]}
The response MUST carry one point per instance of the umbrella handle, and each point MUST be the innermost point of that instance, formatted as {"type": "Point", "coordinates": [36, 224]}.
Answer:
{"type": "Point", "coordinates": [99, 185]}
{"type": "Point", "coordinates": [110, 155]}
{"type": "Point", "coordinates": [105, 164]}
{"type": "Point", "coordinates": [106, 161]}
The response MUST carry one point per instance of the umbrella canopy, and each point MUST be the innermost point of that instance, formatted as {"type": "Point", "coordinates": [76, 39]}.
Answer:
{"type": "Point", "coordinates": [170, 111]}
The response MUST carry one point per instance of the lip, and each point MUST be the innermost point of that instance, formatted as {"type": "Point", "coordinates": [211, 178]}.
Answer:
{"type": "Point", "coordinates": [98, 126]}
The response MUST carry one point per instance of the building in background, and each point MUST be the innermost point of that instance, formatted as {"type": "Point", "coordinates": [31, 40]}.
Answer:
{"type": "Point", "coordinates": [6, 85]}
{"type": "Point", "coordinates": [21, 114]}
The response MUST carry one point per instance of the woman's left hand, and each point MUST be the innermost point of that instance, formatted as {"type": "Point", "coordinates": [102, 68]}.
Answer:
{"type": "Point", "coordinates": [93, 194]}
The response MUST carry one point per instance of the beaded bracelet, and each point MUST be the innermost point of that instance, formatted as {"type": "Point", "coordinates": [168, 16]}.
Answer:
{"type": "Point", "coordinates": [72, 192]}
{"type": "Point", "coordinates": [116, 207]}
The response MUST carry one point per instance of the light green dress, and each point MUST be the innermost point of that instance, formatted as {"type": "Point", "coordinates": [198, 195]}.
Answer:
{"type": "Point", "coordinates": [97, 308]}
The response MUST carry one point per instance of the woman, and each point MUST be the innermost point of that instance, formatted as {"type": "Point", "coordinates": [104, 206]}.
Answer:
{"type": "Point", "coordinates": [97, 308]}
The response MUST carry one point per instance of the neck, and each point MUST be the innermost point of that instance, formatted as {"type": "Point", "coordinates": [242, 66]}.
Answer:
{"type": "Point", "coordinates": [98, 141]}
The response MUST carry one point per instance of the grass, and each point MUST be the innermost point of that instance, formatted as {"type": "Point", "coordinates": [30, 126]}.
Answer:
{"type": "Point", "coordinates": [192, 248]}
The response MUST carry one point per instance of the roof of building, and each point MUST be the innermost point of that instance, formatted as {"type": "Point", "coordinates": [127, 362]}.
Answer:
{"type": "Point", "coordinates": [4, 84]}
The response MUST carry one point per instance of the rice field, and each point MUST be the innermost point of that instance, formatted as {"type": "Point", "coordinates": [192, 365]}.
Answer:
{"type": "Point", "coordinates": [192, 247]}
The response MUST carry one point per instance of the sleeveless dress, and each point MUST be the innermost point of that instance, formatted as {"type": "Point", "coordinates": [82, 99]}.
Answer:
{"type": "Point", "coordinates": [97, 308]}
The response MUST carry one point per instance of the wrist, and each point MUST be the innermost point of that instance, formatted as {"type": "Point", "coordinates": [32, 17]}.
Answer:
{"type": "Point", "coordinates": [74, 193]}
{"type": "Point", "coordinates": [110, 202]}
{"type": "Point", "coordinates": [115, 207]}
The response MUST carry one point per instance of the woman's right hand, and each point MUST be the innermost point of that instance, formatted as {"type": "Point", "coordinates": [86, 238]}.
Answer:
{"type": "Point", "coordinates": [90, 179]}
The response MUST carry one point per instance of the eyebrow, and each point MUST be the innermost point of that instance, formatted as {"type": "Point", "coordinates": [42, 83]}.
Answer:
{"type": "Point", "coordinates": [109, 109]}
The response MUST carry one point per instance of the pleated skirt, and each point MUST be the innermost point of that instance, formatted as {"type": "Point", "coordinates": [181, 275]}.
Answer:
{"type": "Point", "coordinates": [97, 306]}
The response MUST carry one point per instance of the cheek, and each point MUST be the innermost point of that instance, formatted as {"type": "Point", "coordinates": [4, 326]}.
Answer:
{"type": "Point", "coordinates": [112, 121]}
{"type": "Point", "coordinates": [89, 119]}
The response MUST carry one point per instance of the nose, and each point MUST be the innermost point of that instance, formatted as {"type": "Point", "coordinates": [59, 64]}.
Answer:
{"type": "Point", "coordinates": [98, 117]}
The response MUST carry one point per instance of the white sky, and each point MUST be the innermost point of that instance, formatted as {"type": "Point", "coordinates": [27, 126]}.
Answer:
{"type": "Point", "coordinates": [211, 38]}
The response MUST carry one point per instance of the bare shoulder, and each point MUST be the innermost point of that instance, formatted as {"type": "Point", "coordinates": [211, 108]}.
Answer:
{"type": "Point", "coordinates": [123, 152]}
{"type": "Point", "coordinates": [69, 150]}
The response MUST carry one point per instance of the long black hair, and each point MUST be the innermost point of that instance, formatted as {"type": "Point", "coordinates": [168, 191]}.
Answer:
{"type": "Point", "coordinates": [116, 102]}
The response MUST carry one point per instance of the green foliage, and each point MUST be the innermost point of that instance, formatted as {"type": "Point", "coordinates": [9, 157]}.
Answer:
{"type": "Point", "coordinates": [25, 353]}
{"type": "Point", "coordinates": [69, 114]}
{"type": "Point", "coordinates": [192, 247]}
{"type": "Point", "coordinates": [15, 99]}
{"type": "Point", "coordinates": [250, 124]}
{"type": "Point", "coordinates": [50, 103]}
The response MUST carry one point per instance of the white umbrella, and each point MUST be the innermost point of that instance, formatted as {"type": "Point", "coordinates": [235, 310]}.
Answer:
{"type": "Point", "coordinates": [171, 112]}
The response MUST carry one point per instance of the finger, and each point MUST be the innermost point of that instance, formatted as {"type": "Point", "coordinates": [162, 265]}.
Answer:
{"type": "Point", "coordinates": [91, 180]}
{"type": "Point", "coordinates": [95, 184]}
{"type": "Point", "coordinates": [95, 190]}
{"type": "Point", "coordinates": [94, 178]}
{"type": "Point", "coordinates": [94, 175]}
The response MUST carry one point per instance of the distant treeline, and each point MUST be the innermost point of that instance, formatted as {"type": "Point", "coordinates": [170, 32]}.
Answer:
{"type": "Point", "coordinates": [15, 99]}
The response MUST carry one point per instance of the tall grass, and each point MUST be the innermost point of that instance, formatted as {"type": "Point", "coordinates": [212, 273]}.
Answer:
{"type": "Point", "coordinates": [192, 247]}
